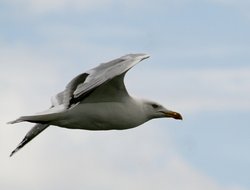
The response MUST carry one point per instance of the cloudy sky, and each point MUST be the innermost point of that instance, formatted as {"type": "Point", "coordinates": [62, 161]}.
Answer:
{"type": "Point", "coordinates": [199, 66]}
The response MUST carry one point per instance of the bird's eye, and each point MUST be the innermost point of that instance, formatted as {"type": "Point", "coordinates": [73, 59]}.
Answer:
{"type": "Point", "coordinates": [155, 105]}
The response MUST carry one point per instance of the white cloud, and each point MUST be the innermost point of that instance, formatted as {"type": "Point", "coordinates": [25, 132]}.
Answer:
{"type": "Point", "coordinates": [195, 90]}
{"type": "Point", "coordinates": [40, 6]}
{"type": "Point", "coordinates": [45, 6]}
{"type": "Point", "coordinates": [137, 159]}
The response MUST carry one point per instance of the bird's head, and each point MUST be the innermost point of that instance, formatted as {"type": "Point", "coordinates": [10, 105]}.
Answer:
{"type": "Point", "coordinates": [156, 110]}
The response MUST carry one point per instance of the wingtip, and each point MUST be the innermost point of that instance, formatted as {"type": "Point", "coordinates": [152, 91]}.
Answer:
{"type": "Point", "coordinates": [13, 152]}
{"type": "Point", "coordinates": [145, 56]}
{"type": "Point", "coordinates": [19, 146]}
{"type": "Point", "coordinates": [24, 141]}
{"type": "Point", "coordinates": [140, 56]}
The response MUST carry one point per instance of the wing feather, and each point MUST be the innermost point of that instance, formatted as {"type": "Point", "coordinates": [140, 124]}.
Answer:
{"type": "Point", "coordinates": [108, 71]}
{"type": "Point", "coordinates": [84, 84]}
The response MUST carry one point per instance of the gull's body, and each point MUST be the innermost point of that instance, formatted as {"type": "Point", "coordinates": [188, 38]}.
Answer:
{"type": "Point", "coordinates": [97, 100]}
{"type": "Point", "coordinates": [105, 118]}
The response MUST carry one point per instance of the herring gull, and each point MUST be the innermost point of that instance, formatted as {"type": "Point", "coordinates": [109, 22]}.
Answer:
{"type": "Point", "coordinates": [97, 100]}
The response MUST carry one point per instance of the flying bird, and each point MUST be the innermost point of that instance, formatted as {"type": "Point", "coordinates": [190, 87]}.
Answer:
{"type": "Point", "coordinates": [97, 100]}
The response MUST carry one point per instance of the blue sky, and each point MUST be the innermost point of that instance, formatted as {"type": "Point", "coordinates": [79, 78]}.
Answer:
{"type": "Point", "coordinates": [199, 66]}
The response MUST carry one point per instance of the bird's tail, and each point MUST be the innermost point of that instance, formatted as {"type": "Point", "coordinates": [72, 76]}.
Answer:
{"type": "Point", "coordinates": [42, 119]}
{"type": "Point", "coordinates": [37, 129]}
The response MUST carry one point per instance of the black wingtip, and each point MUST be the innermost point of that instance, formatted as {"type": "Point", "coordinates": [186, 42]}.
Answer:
{"type": "Point", "coordinates": [21, 144]}
{"type": "Point", "coordinates": [13, 152]}
{"type": "Point", "coordinates": [37, 129]}
{"type": "Point", "coordinates": [16, 149]}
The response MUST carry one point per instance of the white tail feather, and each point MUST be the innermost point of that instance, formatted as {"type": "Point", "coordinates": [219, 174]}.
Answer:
{"type": "Point", "coordinates": [44, 119]}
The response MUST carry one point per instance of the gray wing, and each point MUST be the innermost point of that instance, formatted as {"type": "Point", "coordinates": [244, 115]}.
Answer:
{"type": "Point", "coordinates": [108, 77]}
{"type": "Point", "coordinates": [36, 130]}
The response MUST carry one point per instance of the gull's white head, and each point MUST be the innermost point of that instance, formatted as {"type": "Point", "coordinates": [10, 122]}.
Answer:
{"type": "Point", "coordinates": [155, 110]}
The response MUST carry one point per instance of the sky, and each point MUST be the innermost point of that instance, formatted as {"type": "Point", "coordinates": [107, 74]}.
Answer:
{"type": "Point", "coordinates": [199, 66]}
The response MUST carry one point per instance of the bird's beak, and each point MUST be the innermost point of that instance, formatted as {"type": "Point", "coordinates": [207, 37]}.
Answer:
{"type": "Point", "coordinates": [169, 113]}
